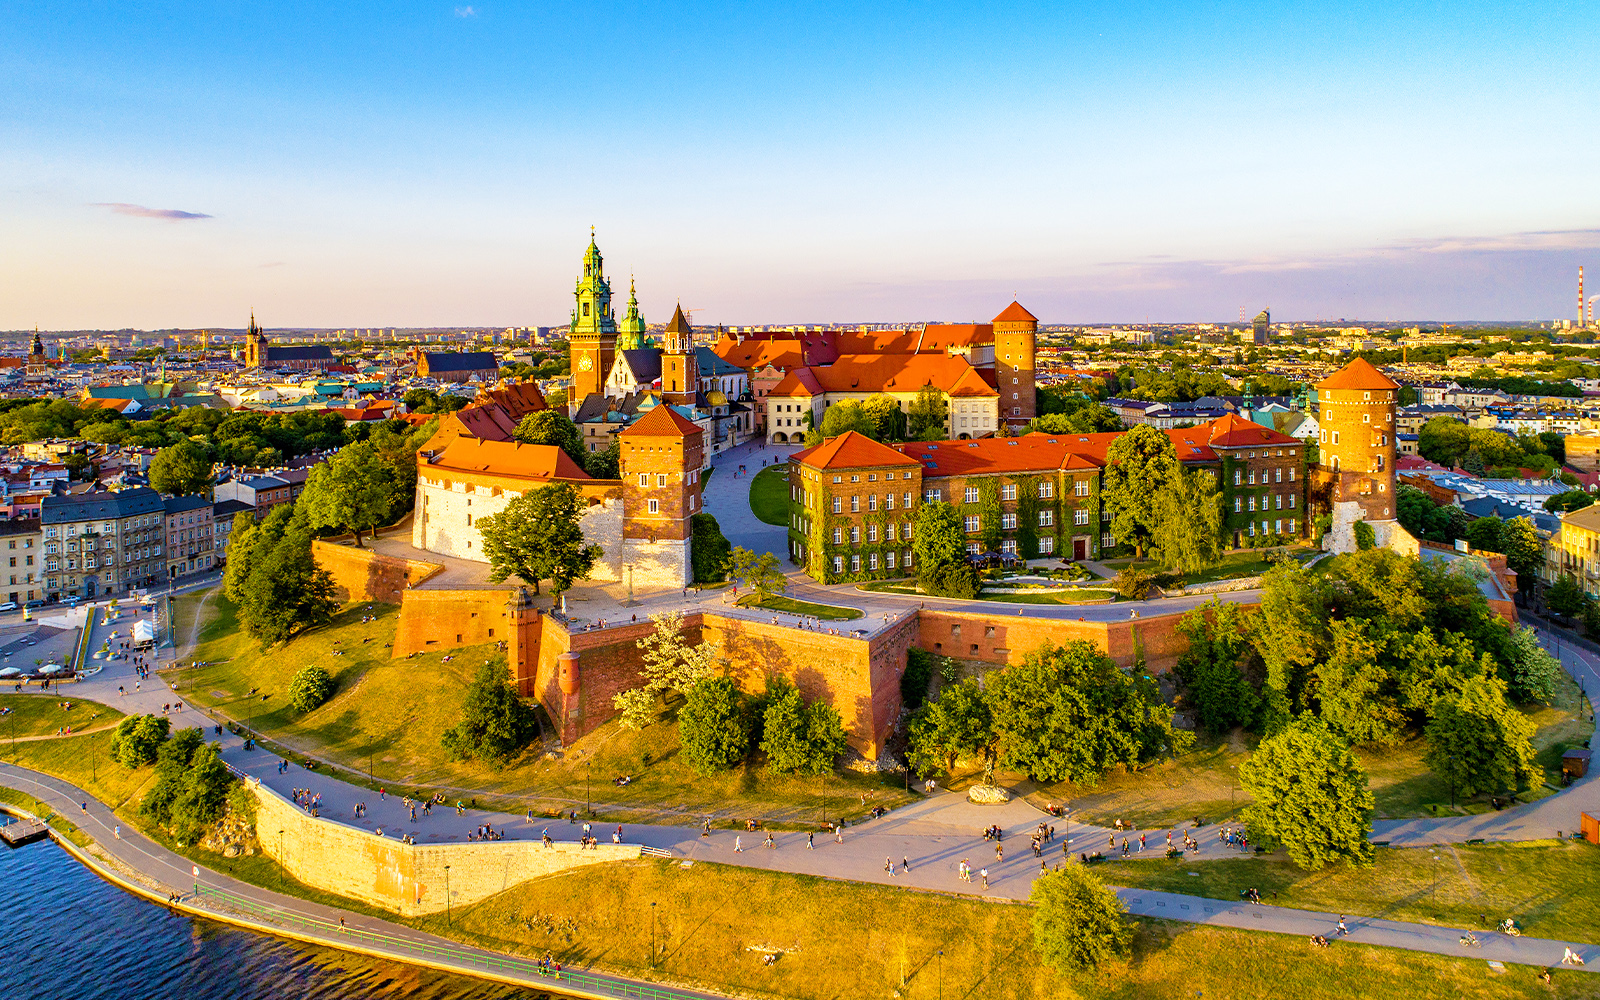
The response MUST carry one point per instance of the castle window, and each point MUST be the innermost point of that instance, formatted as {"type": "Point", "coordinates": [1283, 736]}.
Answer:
{"type": "Point", "coordinates": [872, 561]}
{"type": "Point", "coordinates": [655, 506]}
{"type": "Point", "coordinates": [855, 534]}
{"type": "Point", "coordinates": [644, 479]}
{"type": "Point", "coordinates": [1278, 475]}
{"type": "Point", "coordinates": [1238, 477]}
{"type": "Point", "coordinates": [1008, 521]}
{"type": "Point", "coordinates": [855, 564]}
{"type": "Point", "coordinates": [1048, 490]}
{"type": "Point", "coordinates": [661, 480]}
{"type": "Point", "coordinates": [838, 536]}
{"type": "Point", "coordinates": [1277, 501]}
{"type": "Point", "coordinates": [972, 523]}
{"type": "Point", "coordinates": [1079, 517]}
{"type": "Point", "coordinates": [1008, 491]}
{"type": "Point", "coordinates": [1252, 503]}
{"type": "Point", "coordinates": [838, 564]}
{"type": "Point", "coordinates": [888, 501]}
{"type": "Point", "coordinates": [1238, 505]}
{"type": "Point", "coordinates": [908, 499]}
{"type": "Point", "coordinates": [872, 534]}
{"type": "Point", "coordinates": [1291, 506]}
{"type": "Point", "coordinates": [855, 505]}
{"type": "Point", "coordinates": [838, 505]}
{"type": "Point", "coordinates": [972, 494]}
{"type": "Point", "coordinates": [889, 559]}
{"type": "Point", "coordinates": [890, 531]}
{"type": "Point", "coordinates": [872, 502]}
{"type": "Point", "coordinates": [1080, 488]}
{"type": "Point", "coordinates": [855, 479]}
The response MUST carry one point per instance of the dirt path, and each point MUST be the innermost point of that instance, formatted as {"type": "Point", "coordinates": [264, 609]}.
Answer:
{"type": "Point", "coordinates": [60, 736]}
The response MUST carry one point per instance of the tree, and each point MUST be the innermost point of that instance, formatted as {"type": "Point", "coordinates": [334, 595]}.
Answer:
{"type": "Point", "coordinates": [353, 491]}
{"type": "Point", "coordinates": [1089, 418]}
{"type": "Point", "coordinates": [137, 740]}
{"type": "Point", "coordinates": [182, 470]}
{"type": "Point", "coordinates": [708, 549]}
{"type": "Point", "coordinates": [1528, 670]}
{"type": "Point", "coordinates": [537, 537]}
{"type": "Point", "coordinates": [495, 724]}
{"type": "Point", "coordinates": [1565, 597]}
{"type": "Point", "coordinates": [941, 550]}
{"type": "Point", "coordinates": [1565, 503]}
{"type": "Point", "coordinates": [848, 415]}
{"type": "Point", "coordinates": [1524, 550]}
{"type": "Point", "coordinates": [796, 737]}
{"type": "Point", "coordinates": [1477, 742]}
{"type": "Point", "coordinates": [671, 664]}
{"type": "Point", "coordinates": [712, 727]}
{"type": "Point", "coordinates": [310, 687]}
{"type": "Point", "coordinates": [1210, 669]}
{"type": "Point", "coordinates": [1310, 796]}
{"type": "Point", "coordinates": [1078, 923]}
{"type": "Point", "coordinates": [1067, 713]}
{"type": "Point", "coordinates": [606, 463]}
{"type": "Point", "coordinates": [1140, 466]}
{"type": "Point", "coordinates": [925, 415]}
{"type": "Point", "coordinates": [249, 545]}
{"type": "Point", "coordinates": [1484, 534]}
{"type": "Point", "coordinates": [761, 572]}
{"type": "Point", "coordinates": [191, 784]}
{"type": "Point", "coordinates": [958, 724]}
{"type": "Point", "coordinates": [552, 427]}
{"type": "Point", "coordinates": [887, 417]}
{"type": "Point", "coordinates": [1189, 523]}
{"type": "Point", "coordinates": [286, 593]}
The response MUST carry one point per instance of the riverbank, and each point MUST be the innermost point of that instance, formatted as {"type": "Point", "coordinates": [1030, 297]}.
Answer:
{"type": "Point", "coordinates": [873, 932]}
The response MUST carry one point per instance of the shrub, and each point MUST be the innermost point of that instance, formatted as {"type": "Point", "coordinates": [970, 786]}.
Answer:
{"type": "Point", "coordinates": [311, 687]}
{"type": "Point", "coordinates": [1135, 584]}
{"type": "Point", "coordinates": [957, 580]}
{"type": "Point", "coordinates": [712, 727]}
{"type": "Point", "coordinates": [1078, 923]}
{"type": "Point", "coordinates": [708, 550]}
{"type": "Point", "coordinates": [1365, 538]}
{"type": "Point", "coordinates": [137, 740]}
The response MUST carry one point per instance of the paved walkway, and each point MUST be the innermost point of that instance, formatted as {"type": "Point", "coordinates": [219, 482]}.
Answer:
{"type": "Point", "coordinates": [144, 866]}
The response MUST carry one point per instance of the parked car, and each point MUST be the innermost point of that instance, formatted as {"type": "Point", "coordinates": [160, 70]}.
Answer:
{"type": "Point", "coordinates": [31, 605]}
{"type": "Point", "coordinates": [8, 606]}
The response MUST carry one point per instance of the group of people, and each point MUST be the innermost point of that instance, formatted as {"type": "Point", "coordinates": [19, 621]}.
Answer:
{"type": "Point", "coordinates": [308, 800]}
{"type": "Point", "coordinates": [964, 872]}
{"type": "Point", "coordinates": [1234, 838]}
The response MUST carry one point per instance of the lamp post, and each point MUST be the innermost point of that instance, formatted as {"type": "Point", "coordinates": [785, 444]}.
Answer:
{"type": "Point", "coordinates": [1452, 781]}
{"type": "Point", "coordinates": [447, 895]}
{"type": "Point", "coordinates": [940, 953]}
{"type": "Point", "coordinates": [588, 773]}
{"type": "Point", "coordinates": [824, 777]}
{"type": "Point", "coordinates": [652, 934]}
{"type": "Point", "coordinates": [280, 859]}
{"type": "Point", "coordinates": [370, 779]}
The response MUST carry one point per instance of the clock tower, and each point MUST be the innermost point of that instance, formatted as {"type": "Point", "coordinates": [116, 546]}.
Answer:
{"type": "Point", "coordinates": [592, 338]}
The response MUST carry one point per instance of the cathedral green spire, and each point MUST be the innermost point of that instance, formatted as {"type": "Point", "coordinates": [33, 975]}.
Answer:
{"type": "Point", "coordinates": [630, 332]}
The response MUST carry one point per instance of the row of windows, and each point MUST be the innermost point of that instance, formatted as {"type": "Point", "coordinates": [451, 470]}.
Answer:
{"type": "Point", "coordinates": [1278, 527]}
{"type": "Point", "coordinates": [1273, 475]}
{"type": "Point", "coordinates": [872, 502]}
{"type": "Point", "coordinates": [889, 561]}
{"type": "Point", "coordinates": [892, 532]}
{"type": "Point", "coordinates": [1239, 507]}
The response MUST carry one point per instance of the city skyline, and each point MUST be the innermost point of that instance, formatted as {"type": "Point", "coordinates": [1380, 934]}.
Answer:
{"type": "Point", "coordinates": [172, 167]}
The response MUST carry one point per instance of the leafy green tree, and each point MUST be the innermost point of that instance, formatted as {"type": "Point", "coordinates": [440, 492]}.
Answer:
{"type": "Point", "coordinates": [955, 725]}
{"type": "Point", "coordinates": [249, 545]}
{"type": "Point", "coordinates": [552, 427]}
{"type": "Point", "coordinates": [848, 415]}
{"type": "Point", "coordinates": [495, 724]}
{"type": "Point", "coordinates": [761, 572]}
{"type": "Point", "coordinates": [1565, 597]}
{"type": "Point", "coordinates": [1210, 668]}
{"type": "Point", "coordinates": [796, 737]}
{"type": "Point", "coordinates": [310, 687]}
{"type": "Point", "coordinates": [1067, 713]}
{"type": "Point", "coordinates": [137, 740]}
{"type": "Point", "coordinates": [353, 491]}
{"type": "Point", "coordinates": [1479, 743]}
{"type": "Point", "coordinates": [1484, 534]}
{"type": "Point", "coordinates": [1310, 796]}
{"type": "Point", "coordinates": [286, 593]}
{"type": "Point", "coordinates": [1366, 538]}
{"type": "Point", "coordinates": [918, 675]}
{"type": "Point", "coordinates": [671, 664]}
{"type": "Point", "coordinates": [182, 470]}
{"type": "Point", "coordinates": [1356, 694]}
{"type": "Point", "coordinates": [941, 550]}
{"type": "Point", "coordinates": [1565, 503]}
{"type": "Point", "coordinates": [925, 415]}
{"type": "Point", "coordinates": [174, 799]}
{"type": "Point", "coordinates": [1414, 509]}
{"type": "Point", "coordinates": [1524, 550]}
{"type": "Point", "coordinates": [1078, 923]}
{"type": "Point", "coordinates": [712, 727]}
{"type": "Point", "coordinates": [709, 549]}
{"type": "Point", "coordinates": [1091, 418]}
{"type": "Point", "coordinates": [1529, 671]}
{"type": "Point", "coordinates": [1189, 518]}
{"type": "Point", "coordinates": [888, 418]}
{"type": "Point", "coordinates": [537, 537]}
{"type": "Point", "coordinates": [1140, 466]}
{"type": "Point", "coordinates": [605, 464]}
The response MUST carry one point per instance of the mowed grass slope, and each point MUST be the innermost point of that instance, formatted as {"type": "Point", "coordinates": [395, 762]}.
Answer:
{"type": "Point", "coordinates": [42, 714]}
{"type": "Point", "coordinates": [714, 924]}
{"type": "Point", "coordinates": [1551, 888]}
{"type": "Point", "coordinates": [404, 706]}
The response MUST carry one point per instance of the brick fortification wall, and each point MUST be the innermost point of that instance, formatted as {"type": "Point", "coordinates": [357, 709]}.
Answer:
{"type": "Point", "coordinates": [407, 878]}
{"type": "Point", "coordinates": [1002, 639]}
{"type": "Point", "coordinates": [365, 575]}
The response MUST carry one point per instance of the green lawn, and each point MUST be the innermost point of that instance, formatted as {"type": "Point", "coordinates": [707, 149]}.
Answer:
{"type": "Point", "coordinates": [405, 705]}
{"type": "Point", "coordinates": [1073, 595]}
{"type": "Point", "coordinates": [1551, 888]}
{"type": "Point", "coordinates": [1232, 566]}
{"type": "Point", "coordinates": [41, 714]}
{"type": "Point", "coordinates": [713, 925]}
{"type": "Point", "coordinates": [769, 495]}
{"type": "Point", "coordinates": [787, 605]}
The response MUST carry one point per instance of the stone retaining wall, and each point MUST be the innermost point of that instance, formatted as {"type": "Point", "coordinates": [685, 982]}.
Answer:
{"type": "Point", "coordinates": [409, 879]}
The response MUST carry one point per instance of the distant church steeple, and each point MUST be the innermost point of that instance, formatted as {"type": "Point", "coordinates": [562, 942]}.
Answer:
{"type": "Point", "coordinates": [630, 332]}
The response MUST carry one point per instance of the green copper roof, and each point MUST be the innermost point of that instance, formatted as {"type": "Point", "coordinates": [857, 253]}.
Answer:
{"type": "Point", "coordinates": [630, 332]}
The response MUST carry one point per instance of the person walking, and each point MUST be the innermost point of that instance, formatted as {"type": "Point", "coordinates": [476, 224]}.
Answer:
{"type": "Point", "coordinates": [810, 846]}
{"type": "Point", "coordinates": [738, 844]}
{"type": "Point", "coordinates": [984, 874]}
{"type": "Point", "coordinates": [905, 863]}
{"type": "Point", "coordinates": [1343, 930]}
{"type": "Point", "coordinates": [1141, 843]}
{"type": "Point", "coordinates": [888, 866]}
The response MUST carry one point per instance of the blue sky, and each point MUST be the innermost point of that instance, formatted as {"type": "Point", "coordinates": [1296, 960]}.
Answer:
{"type": "Point", "coordinates": [362, 164]}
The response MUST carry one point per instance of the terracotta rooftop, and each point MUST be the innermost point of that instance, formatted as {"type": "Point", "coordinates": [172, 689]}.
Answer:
{"type": "Point", "coordinates": [872, 373]}
{"type": "Point", "coordinates": [851, 450]}
{"type": "Point", "coordinates": [1014, 313]}
{"type": "Point", "coordinates": [662, 421]}
{"type": "Point", "coordinates": [1358, 374]}
{"type": "Point", "coordinates": [1233, 431]}
{"type": "Point", "coordinates": [756, 354]}
{"type": "Point", "coordinates": [504, 458]}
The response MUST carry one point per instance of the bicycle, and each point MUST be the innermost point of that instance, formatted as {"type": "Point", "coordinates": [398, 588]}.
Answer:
{"type": "Point", "coordinates": [1470, 940]}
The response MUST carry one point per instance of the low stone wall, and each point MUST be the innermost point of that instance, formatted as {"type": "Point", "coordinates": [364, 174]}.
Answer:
{"type": "Point", "coordinates": [409, 879]}
{"type": "Point", "coordinates": [365, 575]}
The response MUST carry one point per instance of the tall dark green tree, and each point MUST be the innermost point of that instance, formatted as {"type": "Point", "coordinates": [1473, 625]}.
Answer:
{"type": "Point", "coordinates": [1211, 668]}
{"type": "Point", "coordinates": [712, 726]}
{"type": "Point", "coordinates": [1078, 923]}
{"type": "Point", "coordinates": [184, 469]}
{"type": "Point", "coordinates": [495, 724]}
{"type": "Point", "coordinates": [1141, 470]}
{"type": "Point", "coordinates": [1477, 742]}
{"type": "Point", "coordinates": [353, 491]}
{"type": "Point", "coordinates": [1309, 796]}
{"type": "Point", "coordinates": [941, 551]}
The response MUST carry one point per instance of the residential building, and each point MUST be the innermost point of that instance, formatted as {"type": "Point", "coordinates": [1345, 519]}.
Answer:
{"type": "Point", "coordinates": [21, 543]}
{"type": "Point", "coordinates": [1574, 550]}
{"type": "Point", "coordinates": [223, 519]}
{"type": "Point", "coordinates": [799, 401]}
{"type": "Point", "coordinates": [456, 367]}
{"type": "Point", "coordinates": [104, 542]}
{"type": "Point", "coordinates": [191, 542]}
{"type": "Point", "coordinates": [262, 493]}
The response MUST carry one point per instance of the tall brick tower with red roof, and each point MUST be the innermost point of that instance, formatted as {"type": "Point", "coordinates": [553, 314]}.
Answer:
{"type": "Point", "coordinates": [680, 375]}
{"type": "Point", "coordinates": [1354, 476]}
{"type": "Point", "coordinates": [1016, 332]}
{"type": "Point", "coordinates": [662, 454]}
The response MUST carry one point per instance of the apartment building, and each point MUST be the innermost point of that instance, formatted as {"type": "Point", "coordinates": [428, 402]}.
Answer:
{"type": "Point", "coordinates": [189, 531]}
{"type": "Point", "coordinates": [103, 543]}
{"type": "Point", "coordinates": [20, 540]}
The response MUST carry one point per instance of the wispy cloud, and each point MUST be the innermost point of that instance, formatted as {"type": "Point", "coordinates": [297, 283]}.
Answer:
{"type": "Point", "coordinates": [140, 212]}
{"type": "Point", "coordinates": [466, 12]}
{"type": "Point", "coordinates": [273, 263]}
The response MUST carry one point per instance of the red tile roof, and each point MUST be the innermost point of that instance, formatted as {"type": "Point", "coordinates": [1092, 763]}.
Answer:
{"type": "Point", "coordinates": [1358, 374]}
{"type": "Point", "coordinates": [662, 421]}
{"type": "Point", "coordinates": [757, 354]}
{"type": "Point", "coordinates": [505, 458]}
{"type": "Point", "coordinates": [1014, 313]}
{"type": "Point", "coordinates": [871, 373]}
{"type": "Point", "coordinates": [1233, 431]}
{"type": "Point", "coordinates": [851, 450]}
{"type": "Point", "coordinates": [1030, 453]}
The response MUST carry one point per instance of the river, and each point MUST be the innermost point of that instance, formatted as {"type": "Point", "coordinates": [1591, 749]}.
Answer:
{"type": "Point", "coordinates": [71, 936]}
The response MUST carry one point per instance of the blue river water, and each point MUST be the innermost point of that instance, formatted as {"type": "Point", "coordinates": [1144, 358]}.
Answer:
{"type": "Point", "coordinates": [68, 935]}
